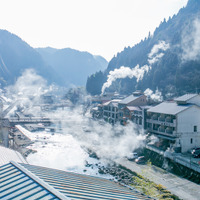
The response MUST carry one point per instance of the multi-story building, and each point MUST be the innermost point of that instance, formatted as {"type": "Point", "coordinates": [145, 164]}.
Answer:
{"type": "Point", "coordinates": [176, 123]}
{"type": "Point", "coordinates": [110, 111]}
{"type": "Point", "coordinates": [131, 113]}
{"type": "Point", "coordinates": [132, 108]}
{"type": "Point", "coordinates": [136, 114]}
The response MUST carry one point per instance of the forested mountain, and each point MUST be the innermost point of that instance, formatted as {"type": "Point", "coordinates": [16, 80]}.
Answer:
{"type": "Point", "coordinates": [172, 54]}
{"type": "Point", "coordinates": [72, 66]}
{"type": "Point", "coordinates": [16, 56]}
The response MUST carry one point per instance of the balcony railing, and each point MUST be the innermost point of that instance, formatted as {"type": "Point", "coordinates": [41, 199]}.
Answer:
{"type": "Point", "coordinates": [164, 122]}
{"type": "Point", "coordinates": [161, 119]}
{"type": "Point", "coordinates": [162, 132]}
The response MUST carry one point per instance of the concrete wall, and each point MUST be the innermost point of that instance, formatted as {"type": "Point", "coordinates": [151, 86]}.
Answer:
{"type": "Point", "coordinates": [186, 121]}
{"type": "Point", "coordinates": [186, 141]}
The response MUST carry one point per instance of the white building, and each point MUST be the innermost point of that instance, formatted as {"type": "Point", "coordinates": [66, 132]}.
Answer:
{"type": "Point", "coordinates": [176, 123]}
{"type": "Point", "coordinates": [110, 111]}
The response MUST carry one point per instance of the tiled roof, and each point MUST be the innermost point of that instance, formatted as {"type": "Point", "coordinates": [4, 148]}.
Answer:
{"type": "Point", "coordinates": [23, 181]}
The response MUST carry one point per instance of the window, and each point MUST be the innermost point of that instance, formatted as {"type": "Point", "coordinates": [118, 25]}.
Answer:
{"type": "Point", "coordinates": [195, 128]}
{"type": "Point", "coordinates": [191, 140]}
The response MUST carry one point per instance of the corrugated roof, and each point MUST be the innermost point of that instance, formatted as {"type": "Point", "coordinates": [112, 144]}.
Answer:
{"type": "Point", "coordinates": [17, 183]}
{"type": "Point", "coordinates": [129, 99]}
{"type": "Point", "coordinates": [186, 97]}
{"type": "Point", "coordinates": [6, 155]}
{"type": "Point", "coordinates": [24, 181]}
{"type": "Point", "coordinates": [78, 186]}
{"type": "Point", "coordinates": [170, 108]}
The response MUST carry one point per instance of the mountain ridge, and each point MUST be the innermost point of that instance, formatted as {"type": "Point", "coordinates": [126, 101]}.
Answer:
{"type": "Point", "coordinates": [73, 65]}
{"type": "Point", "coordinates": [16, 56]}
{"type": "Point", "coordinates": [168, 73]}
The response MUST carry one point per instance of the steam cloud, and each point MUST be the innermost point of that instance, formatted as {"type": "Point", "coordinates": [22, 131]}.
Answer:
{"type": "Point", "coordinates": [157, 52]}
{"type": "Point", "coordinates": [191, 41]}
{"type": "Point", "coordinates": [124, 72]}
{"type": "Point", "coordinates": [157, 96]}
{"type": "Point", "coordinates": [28, 89]}
{"type": "Point", "coordinates": [65, 149]}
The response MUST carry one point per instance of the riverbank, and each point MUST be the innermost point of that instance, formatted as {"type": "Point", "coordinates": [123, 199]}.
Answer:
{"type": "Point", "coordinates": [181, 187]}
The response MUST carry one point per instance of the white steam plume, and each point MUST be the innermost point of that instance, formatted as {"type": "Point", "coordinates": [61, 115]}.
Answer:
{"type": "Point", "coordinates": [157, 52]}
{"type": "Point", "coordinates": [29, 84]}
{"type": "Point", "coordinates": [109, 142]}
{"type": "Point", "coordinates": [191, 41]}
{"type": "Point", "coordinates": [28, 89]}
{"type": "Point", "coordinates": [124, 72]}
{"type": "Point", "coordinates": [101, 137]}
{"type": "Point", "coordinates": [154, 56]}
{"type": "Point", "coordinates": [64, 151]}
{"type": "Point", "coordinates": [157, 96]}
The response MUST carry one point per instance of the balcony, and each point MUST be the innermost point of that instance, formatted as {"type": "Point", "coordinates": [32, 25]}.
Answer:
{"type": "Point", "coordinates": [155, 117]}
{"type": "Point", "coordinates": [163, 122]}
{"type": "Point", "coordinates": [161, 119]}
{"type": "Point", "coordinates": [162, 132]}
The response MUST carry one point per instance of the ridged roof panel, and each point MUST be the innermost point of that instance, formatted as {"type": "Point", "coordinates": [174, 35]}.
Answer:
{"type": "Point", "coordinates": [78, 186]}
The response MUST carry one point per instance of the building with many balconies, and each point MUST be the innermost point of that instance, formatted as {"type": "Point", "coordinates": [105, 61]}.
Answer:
{"type": "Point", "coordinates": [110, 111]}
{"type": "Point", "coordinates": [176, 123]}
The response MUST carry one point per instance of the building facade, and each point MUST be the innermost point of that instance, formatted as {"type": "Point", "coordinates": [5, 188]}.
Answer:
{"type": "Point", "coordinates": [132, 108]}
{"type": "Point", "coordinates": [176, 123]}
{"type": "Point", "coordinates": [111, 111]}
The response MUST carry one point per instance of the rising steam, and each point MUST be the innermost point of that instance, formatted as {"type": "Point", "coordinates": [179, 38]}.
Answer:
{"type": "Point", "coordinates": [157, 52]}
{"type": "Point", "coordinates": [63, 151]}
{"type": "Point", "coordinates": [157, 96]}
{"type": "Point", "coordinates": [124, 72]}
{"type": "Point", "coordinates": [191, 41]}
{"type": "Point", "coordinates": [76, 131]}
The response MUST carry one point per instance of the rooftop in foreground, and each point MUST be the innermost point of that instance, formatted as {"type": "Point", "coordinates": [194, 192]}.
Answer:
{"type": "Point", "coordinates": [24, 181]}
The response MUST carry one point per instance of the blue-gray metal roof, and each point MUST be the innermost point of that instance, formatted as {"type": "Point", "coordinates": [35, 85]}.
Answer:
{"type": "Point", "coordinates": [129, 99]}
{"type": "Point", "coordinates": [24, 181]}
{"type": "Point", "coordinates": [78, 186]}
{"type": "Point", "coordinates": [6, 155]}
{"type": "Point", "coordinates": [18, 183]}
{"type": "Point", "coordinates": [186, 97]}
{"type": "Point", "coordinates": [170, 108]}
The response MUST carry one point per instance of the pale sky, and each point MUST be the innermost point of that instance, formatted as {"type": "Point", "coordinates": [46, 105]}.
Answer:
{"type": "Point", "coordinates": [101, 27]}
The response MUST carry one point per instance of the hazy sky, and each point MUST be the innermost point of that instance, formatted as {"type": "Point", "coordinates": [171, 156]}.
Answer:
{"type": "Point", "coordinates": [101, 27]}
